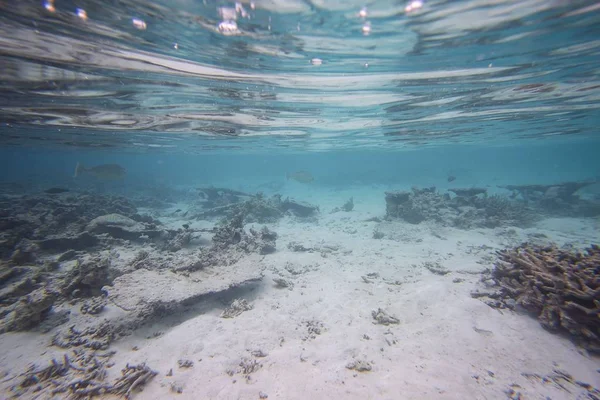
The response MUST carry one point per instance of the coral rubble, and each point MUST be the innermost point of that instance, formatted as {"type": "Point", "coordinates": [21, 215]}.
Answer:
{"type": "Point", "coordinates": [82, 377]}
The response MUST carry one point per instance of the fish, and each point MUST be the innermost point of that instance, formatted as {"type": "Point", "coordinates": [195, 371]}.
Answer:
{"type": "Point", "coordinates": [300, 176]}
{"type": "Point", "coordinates": [103, 171]}
{"type": "Point", "coordinates": [56, 190]}
{"type": "Point", "coordinates": [451, 178]}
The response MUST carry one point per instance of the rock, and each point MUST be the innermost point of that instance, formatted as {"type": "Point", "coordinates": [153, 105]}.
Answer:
{"type": "Point", "coordinates": [468, 192]}
{"type": "Point", "coordinates": [359, 365]}
{"type": "Point", "coordinates": [181, 240]}
{"type": "Point", "coordinates": [29, 310]}
{"type": "Point", "coordinates": [93, 306]}
{"type": "Point", "coordinates": [171, 292]}
{"type": "Point", "coordinates": [236, 308]}
{"type": "Point", "coordinates": [383, 318]}
{"type": "Point", "coordinates": [121, 227]}
{"type": "Point", "coordinates": [68, 243]}
{"type": "Point", "coordinates": [347, 207]}
{"type": "Point", "coordinates": [25, 252]}
{"type": "Point", "coordinates": [299, 208]}
{"type": "Point", "coordinates": [87, 278]}
{"type": "Point", "coordinates": [54, 319]}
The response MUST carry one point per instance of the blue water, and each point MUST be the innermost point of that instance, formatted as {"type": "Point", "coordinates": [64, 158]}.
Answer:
{"type": "Point", "coordinates": [503, 93]}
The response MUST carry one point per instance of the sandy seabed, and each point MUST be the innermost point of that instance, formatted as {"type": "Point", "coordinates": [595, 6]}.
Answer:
{"type": "Point", "coordinates": [318, 337]}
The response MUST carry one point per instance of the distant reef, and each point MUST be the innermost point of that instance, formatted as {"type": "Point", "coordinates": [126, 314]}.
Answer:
{"type": "Point", "coordinates": [473, 207]}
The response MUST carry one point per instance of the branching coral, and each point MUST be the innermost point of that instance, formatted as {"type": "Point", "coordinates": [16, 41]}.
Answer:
{"type": "Point", "coordinates": [560, 287]}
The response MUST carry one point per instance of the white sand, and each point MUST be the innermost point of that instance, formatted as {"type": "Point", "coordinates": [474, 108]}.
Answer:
{"type": "Point", "coordinates": [446, 346]}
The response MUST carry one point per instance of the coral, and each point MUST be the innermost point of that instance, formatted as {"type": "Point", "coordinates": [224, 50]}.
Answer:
{"type": "Point", "coordinates": [383, 318]}
{"type": "Point", "coordinates": [215, 197]}
{"type": "Point", "coordinates": [181, 240]}
{"type": "Point", "coordinates": [231, 233]}
{"type": "Point", "coordinates": [347, 207]}
{"type": "Point", "coordinates": [298, 208]}
{"type": "Point", "coordinates": [500, 210]}
{"type": "Point", "coordinates": [359, 365]}
{"type": "Point", "coordinates": [466, 210]}
{"type": "Point", "coordinates": [185, 363]}
{"type": "Point", "coordinates": [416, 206]}
{"type": "Point", "coordinates": [94, 337]}
{"type": "Point", "coordinates": [256, 209]}
{"type": "Point", "coordinates": [560, 287]}
{"type": "Point", "coordinates": [94, 306]}
{"type": "Point", "coordinates": [82, 378]}
{"type": "Point", "coordinates": [283, 283]}
{"type": "Point", "coordinates": [314, 328]}
{"type": "Point", "coordinates": [29, 310]}
{"type": "Point", "coordinates": [237, 307]}
{"type": "Point", "coordinates": [468, 192]}
{"type": "Point", "coordinates": [557, 199]}
{"type": "Point", "coordinates": [87, 278]}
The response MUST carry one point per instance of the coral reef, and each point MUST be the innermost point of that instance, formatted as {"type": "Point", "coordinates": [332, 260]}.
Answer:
{"type": "Point", "coordinates": [416, 206]}
{"type": "Point", "coordinates": [559, 199]}
{"type": "Point", "coordinates": [470, 208]}
{"type": "Point", "coordinates": [231, 233]}
{"type": "Point", "coordinates": [560, 287]}
{"type": "Point", "coordinates": [298, 208]}
{"type": "Point", "coordinates": [255, 209]}
{"type": "Point", "coordinates": [347, 207]}
{"type": "Point", "coordinates": [216, 197]}
{"type": "Point", "coordinates": [87, 278]}
{"type": "Point", "coordinates": [101, 258]}
{"type": "Point", "coordinates": [468, 192]}
{"type": "Point", "coordinates": [41, 216]}
{"type": "Point", "coordinates": [28, 311]}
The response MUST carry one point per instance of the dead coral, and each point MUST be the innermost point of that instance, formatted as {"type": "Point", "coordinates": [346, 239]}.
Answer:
{"type": "Point", "coordinates": [94, 306]}
{"type": "Point", "coordinates": [82, 377]}
{"type": "Point", "coordinates": [500, 211]}
{"type": "Point", "coordinates": [359, 365]}
{"type": "Point", "coordinates": [237, 307]}
{"type": "Point", "coordinates": [181, 240]}
{"type": "Point", "coordinates": [468, 192]}
{"type": "Point", "coordinates": [557, 199]}
{"type": "Point", "coordinates": [313, 329]}
{"type": "Point", "coordinates": [383, 318]}
{"type": "Point", "coordinates": [256, 209]}
{"type": "Point", "coordinates": [436, 268]}
{"type": "Point", "coordinates": [95, 337]}
{"type": "Point", "coordinates": [283, 283]}
{"type": "Point", "coordinates": [470, 208]}
{"type": "Point", "coordinates": [416, 206]}
{"type": "Point", "coordinates": [560, 287]}
{"type": "Point", "coordinates": [29, 311]}
{"type": "Point", "coordinates": [87, 278]}
{"type": "Point", "coordinates": [185, 363]}
{"type": "Point", "coordinates": [347, 207]}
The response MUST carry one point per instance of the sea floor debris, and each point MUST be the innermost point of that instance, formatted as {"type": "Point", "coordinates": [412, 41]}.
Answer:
{"type": "Point", "coordinates": [82, 376]}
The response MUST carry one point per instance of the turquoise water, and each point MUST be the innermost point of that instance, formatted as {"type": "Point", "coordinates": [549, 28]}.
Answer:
{"type": "Point", "coordinates": [447, 73]}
